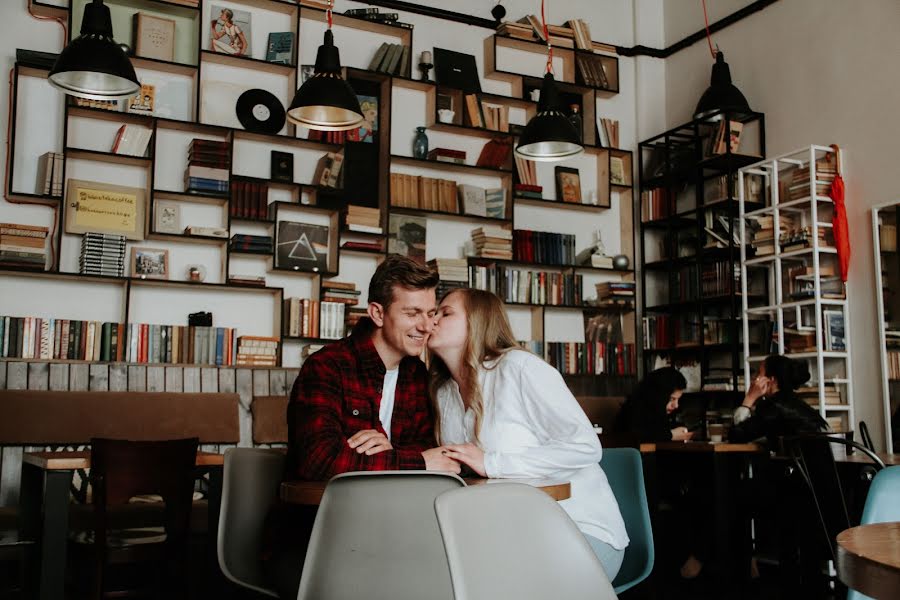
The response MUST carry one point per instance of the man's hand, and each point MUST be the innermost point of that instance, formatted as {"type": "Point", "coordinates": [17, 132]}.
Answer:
{"type": "Point", "coordinates": [681, 434]}
{"type": "Point", "coordinates": [436, 459]}
{"type": "Point", "coordinates": [469, 454]}
{"type": "Point", "coordinates": [369, 442]}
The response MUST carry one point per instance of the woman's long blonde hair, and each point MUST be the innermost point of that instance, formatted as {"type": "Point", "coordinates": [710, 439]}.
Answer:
{"type": "Point", "coordinates": [488, 335]}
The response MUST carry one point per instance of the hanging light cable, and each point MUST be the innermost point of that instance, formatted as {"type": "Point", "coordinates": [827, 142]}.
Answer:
{"type": "Point", "coordinates": [326, 101]}
{"type": "Point", "coordinates": [93, 65]}
{"type": "Point", "coordinates": [721, 96]}
{"type": "Point", "coordinates": [549, 136]}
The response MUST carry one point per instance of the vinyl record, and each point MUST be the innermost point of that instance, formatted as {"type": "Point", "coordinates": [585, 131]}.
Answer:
{"type": "Point", "coordinates": [260, 111]}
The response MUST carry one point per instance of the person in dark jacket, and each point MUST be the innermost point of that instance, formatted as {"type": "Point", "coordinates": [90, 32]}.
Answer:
{"type": "Point", "coordinates": [771, 407]}
{"type": "Point", "coordinates": [650, 410]}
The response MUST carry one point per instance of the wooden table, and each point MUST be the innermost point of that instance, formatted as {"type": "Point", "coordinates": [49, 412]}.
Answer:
{"type": "Point", "coordinates": [44, 509]}
{"type": "Point", "coordinates": [310, 492]}
{"type": "Point", "coordinates": [869, 559]}
{"type": "Point", "coordinates": [858, 457]}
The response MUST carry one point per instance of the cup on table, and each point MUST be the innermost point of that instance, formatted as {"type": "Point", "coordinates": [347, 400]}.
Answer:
{"type": "Point", "coordinates": [716, 432]}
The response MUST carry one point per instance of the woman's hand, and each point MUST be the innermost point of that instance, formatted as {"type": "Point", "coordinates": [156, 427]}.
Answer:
{"type": "Point", "coordinates": [468, 454]}
{"type": "Point", "coordinates": [757, 390]}
{"type": "Point", "coordinates": [681, 434]}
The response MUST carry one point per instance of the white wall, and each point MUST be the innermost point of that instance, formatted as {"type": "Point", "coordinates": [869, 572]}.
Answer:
{"type": "Point", "coordinates": [822, 73]}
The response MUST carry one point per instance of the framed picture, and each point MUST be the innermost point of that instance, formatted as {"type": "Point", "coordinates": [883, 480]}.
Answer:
{"type": "Point", "coordinates": [834, 330]}
{"type": "Point", "coordinates": [366, 132]}
{"type": "Point", "coordinates": [144, 101]}
{"type": "Point", "coordinates": [301, 246]}
{"type": "Point", "coordinates": [280, 47]}
{"type": "Point", "coordinates": [282, 167]}
{"type": "Point", "coordinates": [306, 71]}
{"type": "Point", "coordinates": [568, 185]}
{"type": "Point", "coordinates": [149, 263]}
{"type": "Point", "coordinates": [229, 30]}
{"type": "Point", "coordinates": [167, 218]}
{"type": "Point", "coordinates": [104, 208]}
{"type": "Point", "coordinates": [153, 36]}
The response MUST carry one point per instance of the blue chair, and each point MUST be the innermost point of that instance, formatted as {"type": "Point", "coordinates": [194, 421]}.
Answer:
{"type": "Point", "coordinates": [625, 473]}
{"type": "Point", "coordinates": [881, 506]}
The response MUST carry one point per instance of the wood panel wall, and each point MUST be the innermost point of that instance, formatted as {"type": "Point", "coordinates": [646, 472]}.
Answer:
{"type": "Point", "coordinates": [120, 377]}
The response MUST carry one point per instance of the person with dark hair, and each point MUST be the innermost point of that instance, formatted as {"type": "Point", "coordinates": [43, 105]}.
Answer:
{"type": "Point", "coordinates": [360, 404]}
{"type": "Point", "coordinates": [651, 408]}
{"type": "Point", "coordinates": [771, 407]}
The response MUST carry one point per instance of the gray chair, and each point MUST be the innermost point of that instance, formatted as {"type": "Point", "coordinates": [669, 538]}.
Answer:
{"type": "Point", "coordinates": [250, 487]}
{"type": "Point", "coordinates": [376, 537]}
{"type": "Point", "coordinates": [512, 540]}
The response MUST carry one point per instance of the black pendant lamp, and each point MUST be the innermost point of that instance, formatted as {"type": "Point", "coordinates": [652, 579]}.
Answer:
{"type": "Point", "coordinates": [722, 96]}
{"type": "Point", "coordinates": [93, 65]}
{"type": "Point", "coordinates": [325, 101]}
{"type": "Point", "coordinates": [549, 136]}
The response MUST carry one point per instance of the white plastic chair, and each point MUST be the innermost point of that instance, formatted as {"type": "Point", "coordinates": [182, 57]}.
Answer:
{"type": "Point", "coordinates": [250, 487]}
{"type": "Point", "coordinates": [514, 541]}
{"type": "Point", "coordinates": [376, 537]}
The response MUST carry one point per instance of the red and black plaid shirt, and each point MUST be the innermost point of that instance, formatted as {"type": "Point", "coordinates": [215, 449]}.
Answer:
{"type": "Point", "coordinates": [338, 393]}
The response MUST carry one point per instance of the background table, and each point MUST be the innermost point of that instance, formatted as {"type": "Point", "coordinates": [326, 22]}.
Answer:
{"type": "Point", "coordinates": [869, 559]}
{"type": "Point", "coordinates": [44, 508]}
{"type": "Point", "coordinates": [309, 493]}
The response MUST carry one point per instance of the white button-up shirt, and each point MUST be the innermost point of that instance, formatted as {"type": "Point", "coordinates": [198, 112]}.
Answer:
{"type": "Point", "coordinates": [533, 427]}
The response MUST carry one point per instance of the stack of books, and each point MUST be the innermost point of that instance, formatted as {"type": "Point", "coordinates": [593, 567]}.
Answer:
{"type": "Point", "coordinates": [102, 254]}
{"type": "Point", "coordinates": [50, 174]}
{"type": "Point", "coordinates": [800, 238]}
{"type": "Point", "coordinates": [257, 351]}
{"type": "Point", "coordinates": [528, 191]}
{"type": "Point", "coordinates": [354, 314]}
{"type": "Point", "coordinates": [493, 242]}
{"type": "Point", "coordinates": [254, 280]}
{"type": "Point", "coordinates": [810, 394]}
{"type": "Point", "coordinates": [344, 292]}
{"type": "Point", "coordinates": [447, 155]}
{"type": "Point", "coordinates": [208, 170]}
{"type": "Point", "coordinates": [372, 14]}
{"type": "Point", "coordinates": [798, 186]}
{"type": "Point", "coordinates": [515, 29]}
{"type": "Point", "coordinates": [454, 273]}
{"type": "Point", "coordinates": [23, 246]}
{"type": "Point", "coordinates": [615, 290]}
{"type": "Point", "coordinates": [764, 237]}
{"type": "Point", "coordinates": [250, 244]}
{"type": "Point", "coordinates": [363, 219]}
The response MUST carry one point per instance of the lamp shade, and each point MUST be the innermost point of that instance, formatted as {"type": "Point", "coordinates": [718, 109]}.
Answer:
{"type": "Point", "coordinates": [325, 101]}
{"type": "Point", "coordinates": [721, 95]}
{"type": "Point", "coordinates": [93, 65]}
{"type": "Point", "coordinates": [549, 136]}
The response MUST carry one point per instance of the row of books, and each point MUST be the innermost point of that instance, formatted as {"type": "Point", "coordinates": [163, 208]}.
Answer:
{"type": "Point", "coordinates": [528, 287]}
{"type": "Point", "coordinates": [615, 289]}
{"type": "Point", "coordinates": [257, 351]}
{"type": "Point", "coordinates": [831, 393]}
{"type": "Point", "coordinates": [132, 140]}
{"type": "Point", "coordinates": [486, 115]}
{"type": "Point", "coordinates": [526, 171]}
{"type": "Point", "coordinates": [23, 246]}
{"type": "Point", "coordinates": [544, 247]}
{"type": "Point", "coordinates": [344, 292]}
{"type": "Point", "coordinates": [799, 238]}
{"type": "Point", "coordinates": [725, 138]}
{"type": "Point", "coordinates": [575, 33]}
{"type": "Point", "coordinates": [249, 199]}
{"type": "Point", "coordinates": [595, 358]}
{"type": "Point", "coordinates": [63, 339]}
{"type": "Point", "coordinates": [657, 332]}
{"type": "Point", "coordinates": [609, 133]}
{"type": "Point", "coordinates": [797, 181]}
{"type": "Point", "coordinates": [656, 204]}
{"type": "Point", "coordinates": [427, 193]}
{"type": "Point", "coordinates": [591, 71]}
{"type": "Point", "coordinates": [492, 242]}
{"type": "Point", "coordinates": [307, 318]}
{"type": "Point", "coordinates": [451, 270]}
{"type": "Point", "coordinates": [102, 254]}
{"type": "Point", "coordinates": [363, 219]}
{"type": "Point", "coordinates": [152, 343]}
{"type": "Point", "coordinates": [763, 238]}
{"type": "Point", "coordinates": [208, 168]}
{"type": "Point", "coordinates": [391, 58]}
{"type": "Point", "coordinates": [447, 155]}
{"type": "Point", "coordinates": [50, 173]}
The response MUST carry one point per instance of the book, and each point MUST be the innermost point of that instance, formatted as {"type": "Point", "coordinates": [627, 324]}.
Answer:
{"type": "Point", "coordinates": [280, 47]}
{"type": "Point", "coordinates": [472, 200]}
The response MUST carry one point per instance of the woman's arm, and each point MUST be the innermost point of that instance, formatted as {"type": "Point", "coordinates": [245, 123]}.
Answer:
{"type": "Point", "coordinates": [243, 49]}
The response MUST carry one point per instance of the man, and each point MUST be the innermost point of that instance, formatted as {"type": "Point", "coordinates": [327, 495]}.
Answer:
{"type": "Point", "coordinates": [361, 404]}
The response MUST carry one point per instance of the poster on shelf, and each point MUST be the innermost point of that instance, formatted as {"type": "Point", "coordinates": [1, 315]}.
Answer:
{"type": "Point", "coordinates": [230, 31]}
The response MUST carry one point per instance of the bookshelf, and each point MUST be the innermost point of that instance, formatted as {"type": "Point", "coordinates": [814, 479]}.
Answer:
{"type": "Point", "coordinates": [887, 279]}
{"type": "Point", "coordinates": [690, 253]}
{"type": "Point", "coordinates": [786, 217]}
{"type": "Point", "coordinates": [196, 94]}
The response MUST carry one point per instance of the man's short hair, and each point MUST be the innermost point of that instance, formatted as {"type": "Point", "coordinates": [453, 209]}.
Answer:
{"type": "Point", "coordinates": [397, 270]}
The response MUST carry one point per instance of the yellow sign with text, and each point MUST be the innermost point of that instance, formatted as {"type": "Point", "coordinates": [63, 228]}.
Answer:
{"type": "Point", "coordinates": [105, 208]}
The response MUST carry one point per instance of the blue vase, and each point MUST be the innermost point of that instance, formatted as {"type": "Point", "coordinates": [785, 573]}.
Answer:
{"type": "Point", "coordinates": [420, 143]}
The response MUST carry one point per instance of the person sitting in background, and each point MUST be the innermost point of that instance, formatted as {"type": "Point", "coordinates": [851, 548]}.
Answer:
{"type": "Point", "coordinates": [505, 413]}
{"type": "Point", "coordinates": [650, 410]}
{"type": "Point", "coordinates": [771, 407]}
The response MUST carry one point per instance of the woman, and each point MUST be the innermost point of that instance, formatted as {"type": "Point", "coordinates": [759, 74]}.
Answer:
{"type": "Point", "coordinates": [771, 407]}
{"type": "Point", "coordinates": [651, 408]}
{"type": "Point", "coordinates": [505, 413]}
{"type": "Point", "coordinates": [237, 41]}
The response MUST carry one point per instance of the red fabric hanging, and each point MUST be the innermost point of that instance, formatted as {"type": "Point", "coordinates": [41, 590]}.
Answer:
{"type": "Point", "coordinates": [839, 220]}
